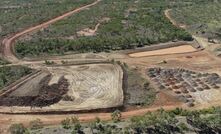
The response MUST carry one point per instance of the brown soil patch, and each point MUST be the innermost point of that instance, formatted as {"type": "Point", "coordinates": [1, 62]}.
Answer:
{"type": "Point", "coordinates": [165, 99]}
{"type": "Point", "coordinates": [166, 51]}
{"type": "Point", "coordinates": [47, 95]}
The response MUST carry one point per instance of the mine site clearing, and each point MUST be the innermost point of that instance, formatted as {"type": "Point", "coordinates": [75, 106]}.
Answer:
{"type": "Point", "coordinates": [86, 84]}
{"type": "Point", "coordinates": [193, 78]}
{"type": "Point", "coordinates": [200, 65]}
{"type": "Point", "coordinates": [190, 87]}
{"type": "Point", "coordinates": [93, 86]}
{"type": "Point", "coordinates": [67, 88]}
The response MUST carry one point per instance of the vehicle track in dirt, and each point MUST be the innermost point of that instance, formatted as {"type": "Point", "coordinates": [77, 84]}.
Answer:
{"type": "Point", "coordinates": [169, 17]}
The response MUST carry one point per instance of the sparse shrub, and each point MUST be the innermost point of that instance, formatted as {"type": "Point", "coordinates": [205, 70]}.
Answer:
{"type": "Point", "coordinates": [70, 122]}
{"type": "Point", "coordinates": [64, 62]}
{"type": "Point", "coordinates": [36, 124]}
{"type": "Point", "coordinates": [49, 62]}
{"type": "Point", "coordinates": [112, 61]}
{"type": "Point", "coordinates": [146, 85]}
{"type": "Point", "coordinates": [66, 123]}
{"type": "Point", "coordinates": [18, 129]}
{"type": "Point", "coordinates": [118, 62]}
{"type": "Point", "coordinates": [116, 116]}
{"type": "Point", "coordinates": [125, 65]}
{"type": "Point", "coordinates": [74, 120]}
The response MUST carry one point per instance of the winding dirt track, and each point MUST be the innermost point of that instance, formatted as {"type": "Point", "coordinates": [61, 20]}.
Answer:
{"type": "Point", "coordinates": [8, 42]}
{"type": "Point", "coordinates": [6, 120]}
{"type": "Point", "coordinates": [167, 14]}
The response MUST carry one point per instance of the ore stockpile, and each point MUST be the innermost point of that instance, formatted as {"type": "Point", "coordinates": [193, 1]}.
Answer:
{"type": "Point", "coordinates": [184, 83]}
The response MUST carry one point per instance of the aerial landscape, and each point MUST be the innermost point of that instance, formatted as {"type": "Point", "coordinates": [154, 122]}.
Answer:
{"type": "Point", "coordinates": [110, 66]}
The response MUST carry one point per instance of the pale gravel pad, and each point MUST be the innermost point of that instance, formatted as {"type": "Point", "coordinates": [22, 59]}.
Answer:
{"type": "Point", "coordinates": [165, 51]}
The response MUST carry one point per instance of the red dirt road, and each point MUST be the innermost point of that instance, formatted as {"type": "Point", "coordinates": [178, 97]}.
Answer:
{"type": "Point", "coordinates": [7, 43]}
{"type": "Point", "coordinates": [54, 119]}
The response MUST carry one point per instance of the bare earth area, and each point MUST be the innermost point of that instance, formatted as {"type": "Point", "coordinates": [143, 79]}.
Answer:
{"type": "Point", "coordinates": [90, 87]}
{"type": "Point", "coordinates": [92, 32]}
{"type": "Point", "coordinates": [207, 97]}
{"type": "Point", "coordinates": [199, 61]}
{"type": "Point", "coordinates": [172, 50]}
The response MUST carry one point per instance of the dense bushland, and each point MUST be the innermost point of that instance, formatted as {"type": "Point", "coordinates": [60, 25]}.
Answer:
{"type": "Point", "coordinates": [132, 24]}
{"type": "Point", "coordinates": [206, 121]}
{"type": "Point", "coordinates": [202, 17]}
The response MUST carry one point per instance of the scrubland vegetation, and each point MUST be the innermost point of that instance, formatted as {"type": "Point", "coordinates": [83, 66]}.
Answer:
{"type": "Point", "coordinates": [159, 122]}
{"type": "Point", "coordinates": [137, 90]}
{"type": "Point", "coordinates": [16, 15]}
{"type": "Point", "coordinates": [10, 74]}
{"type": "Point", "coordinates": [202, 121]}
{"type": "Point", "coordinates": [132, 24]}
{"type": "Point", "coordinates": [202, 17]}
